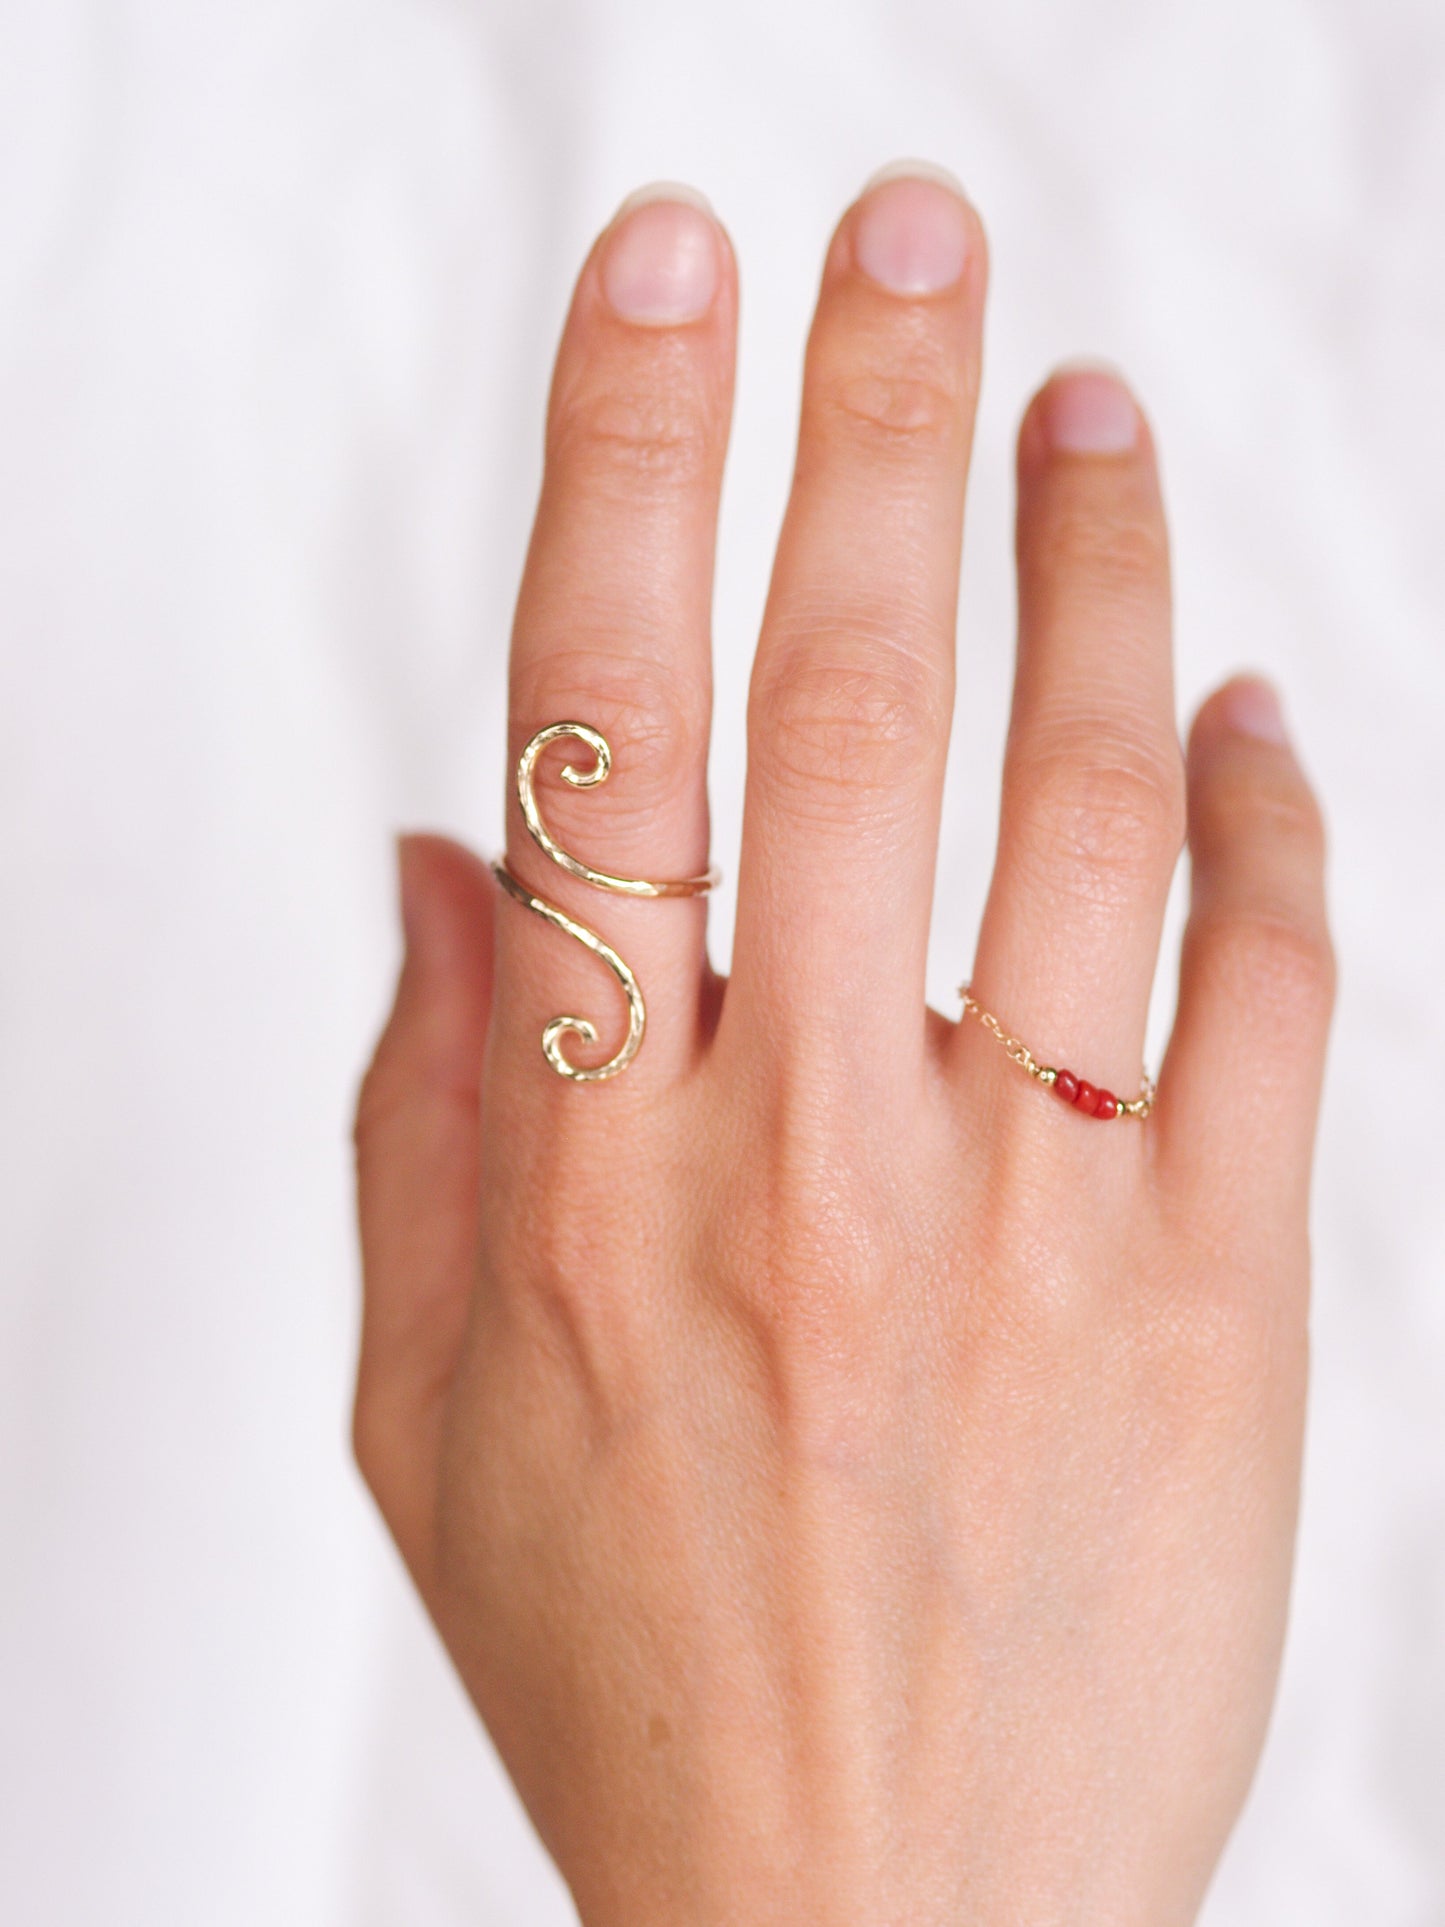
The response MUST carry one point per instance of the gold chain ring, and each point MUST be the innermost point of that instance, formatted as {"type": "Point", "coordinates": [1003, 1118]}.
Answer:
{"type": "Point", "coordinates": [1088, 1098]}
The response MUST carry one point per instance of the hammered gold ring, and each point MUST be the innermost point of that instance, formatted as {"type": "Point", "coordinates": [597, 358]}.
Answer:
{"type": "Point", "coordinates": [583, 779]}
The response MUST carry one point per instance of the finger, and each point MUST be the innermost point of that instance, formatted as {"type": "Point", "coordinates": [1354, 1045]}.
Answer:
{"type": "Point", "coordinates": [612, 630]}
{"type": "Point", "coordinates": [852, 688]}
{"type": "Point", "coordinates": [1240, 1087]}
{"type": "Point", "coordinates": [1092, 816]}
{"type": "Point", "coordinates": [417, 1152]}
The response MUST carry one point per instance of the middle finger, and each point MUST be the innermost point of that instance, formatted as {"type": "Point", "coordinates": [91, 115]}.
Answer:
{"type": "Point", "coordinates": [852, 689]}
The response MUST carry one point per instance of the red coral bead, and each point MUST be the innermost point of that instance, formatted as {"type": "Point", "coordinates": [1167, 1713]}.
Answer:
{"type": "Point", "coordinates": [1086, 1098]}
{"type": "Point", "coordinates": [1066, 1085]}
{"type": "Point", "coordinates": [1107, 1104]}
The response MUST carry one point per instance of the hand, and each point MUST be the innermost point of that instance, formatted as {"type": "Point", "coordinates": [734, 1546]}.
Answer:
{"type": "Point", "coordinates": [853, 1485]}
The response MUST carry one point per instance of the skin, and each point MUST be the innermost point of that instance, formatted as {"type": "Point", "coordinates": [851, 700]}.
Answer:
{"type": "Point", "coordinates": [853, 1486]}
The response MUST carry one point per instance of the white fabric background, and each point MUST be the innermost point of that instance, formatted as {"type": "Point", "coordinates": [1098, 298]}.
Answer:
{"type": "Point", "coordinates": [279, 285]}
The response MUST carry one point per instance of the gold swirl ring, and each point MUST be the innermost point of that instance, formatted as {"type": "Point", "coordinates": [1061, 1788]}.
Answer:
{"type": "Point", "coordinates": [586, 780]}
{"type": "Point", "coordinates": [583, 1027]}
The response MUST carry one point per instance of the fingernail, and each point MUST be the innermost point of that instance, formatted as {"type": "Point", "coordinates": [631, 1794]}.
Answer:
{"type": "Point", "coordinates": [1252, 706]}
{"type": "Point", "coordinates": [1087, 410]}
{"type": "Point", "coordinates": [661, 265]}
{"type": "Point", "coordinates": [912, 231]}
{"type": "Point", "coordinates": [915, 170]}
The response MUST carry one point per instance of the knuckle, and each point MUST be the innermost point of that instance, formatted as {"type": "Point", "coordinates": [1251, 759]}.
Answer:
{"type": "Point", "coordinates": [1252, 807]}
{"type": "Point", "coordinates": [1119, 557]}
{"type": "Point", "coordinates": [589, 1312]}
{"type": "Point", "coordinates": [809, 1258]}
{"type": "Point", "coordinates": [905, 408]}
{"type": "Point", "coordinates": [801, 1243]}
{"type": "Point", "coordinates": [1102, 816]}
{"type": "Point", "coordinates": [838, 715]}
{"type": "Point", "coordinates": [656, 430]}
{"type": "Point", "coordinates": [655, 721]}
{"type": "Point", "coordinates": [565, 1287]}
{"type": "Point", "coordinates": [409, 1073]}
{"type": "Point", "coordinates": [1266, 953]}
{"type": "Point", "coordinates": [808, 1283]}
{"type": "Point", "coordinates": [1221, 1351]}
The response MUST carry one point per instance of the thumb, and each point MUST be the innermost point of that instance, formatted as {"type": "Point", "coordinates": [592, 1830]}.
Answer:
{"type": "Point", "coordinates": [417, 1137]}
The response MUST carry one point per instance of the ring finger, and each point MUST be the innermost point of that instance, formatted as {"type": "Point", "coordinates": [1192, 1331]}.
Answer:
{"type": "Point", "coordinates": [1092, 819]}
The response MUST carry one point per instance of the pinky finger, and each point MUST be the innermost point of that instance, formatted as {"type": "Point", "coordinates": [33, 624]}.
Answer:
{"type": "Point", "coordinates": [1240, 1088]}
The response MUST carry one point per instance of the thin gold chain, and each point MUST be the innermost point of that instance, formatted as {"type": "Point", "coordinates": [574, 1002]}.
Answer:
{"type": "Point", "coordinates": [1048, 1074]}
